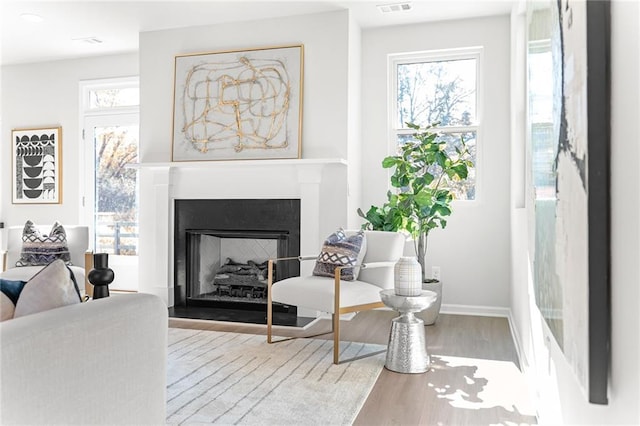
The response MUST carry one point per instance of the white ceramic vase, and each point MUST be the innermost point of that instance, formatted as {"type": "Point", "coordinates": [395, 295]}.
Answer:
{"type": "Point", "coordinates": [407, 277]}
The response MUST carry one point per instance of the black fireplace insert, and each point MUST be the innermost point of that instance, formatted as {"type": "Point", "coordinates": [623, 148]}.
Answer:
{"type": "Point", "coordinates": [221, 250]}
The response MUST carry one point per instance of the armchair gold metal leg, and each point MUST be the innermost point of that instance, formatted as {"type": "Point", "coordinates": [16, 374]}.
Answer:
{"type": "Point", "coordinates": [336, 337]}
{"type": "Point", "coordinates": [336, 316]}
{"type": "Point", "coordinates": [88, 265]}
{"type": "Point", "coordinates": [269, 301]}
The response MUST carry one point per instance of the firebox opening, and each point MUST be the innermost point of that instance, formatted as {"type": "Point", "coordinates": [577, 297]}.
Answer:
{"type": "Point", "coordinates": [230, 266]}
{"type": "Point", "coordinates": [229, 269]}
{"type": "Point", "coordinates": [232, 269]}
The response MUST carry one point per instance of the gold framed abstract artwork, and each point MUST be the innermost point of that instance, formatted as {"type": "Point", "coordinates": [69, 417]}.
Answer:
{"type": "Point", "coordinates": [36, 165]}
{"type": "Point", "coordinates": [238, 104]}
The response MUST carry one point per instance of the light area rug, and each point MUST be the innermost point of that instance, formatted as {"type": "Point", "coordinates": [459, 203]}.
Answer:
{"type": "Point", "coordinates": [231, 378]}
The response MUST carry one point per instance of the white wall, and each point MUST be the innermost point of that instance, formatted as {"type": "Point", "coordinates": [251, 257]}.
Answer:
{"type": "Point", "coordinates": [474, 248]}
{"type": "Point", "coordinates": [325, 38]}
{"type": "Point", "coordinates": [47, 94]}
{"type": "Point", "coordinates": [559, 398]}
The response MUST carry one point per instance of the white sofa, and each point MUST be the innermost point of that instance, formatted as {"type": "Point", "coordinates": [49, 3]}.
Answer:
{"type": "Point", "coordinates": [78, 243]}
{"type": "Point", "coordinates": [98, 362]}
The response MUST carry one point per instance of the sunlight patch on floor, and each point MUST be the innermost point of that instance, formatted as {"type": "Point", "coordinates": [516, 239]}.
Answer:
{"type": "Point", "coordinates": [472, 383]}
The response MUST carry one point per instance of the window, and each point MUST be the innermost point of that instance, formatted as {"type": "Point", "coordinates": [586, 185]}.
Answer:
{"type": "Point", "coordinates": [110, 133]}
{"type": "Point", "coordinates": [438, 88]}
{"type": "Point", "coordinates": [113, 97]}
{"type": "Point", "coordinates": [543, 143]}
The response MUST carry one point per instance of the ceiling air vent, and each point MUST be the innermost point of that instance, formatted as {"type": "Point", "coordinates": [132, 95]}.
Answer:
{"type": "Point", "coordinates": [395, 7]}
{"type": "Point", "coordinates": [87, 40]}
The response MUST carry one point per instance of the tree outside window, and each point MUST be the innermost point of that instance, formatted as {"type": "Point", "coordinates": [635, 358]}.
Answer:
{"type": "Point", "coordinates": [116, 190]}
{"type": "Point", "coordinates": [439, 89]}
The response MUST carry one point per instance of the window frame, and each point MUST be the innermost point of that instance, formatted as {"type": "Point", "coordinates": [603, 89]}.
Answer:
{"type": "Point", "coordinates": [441, 55]}
{"type": "Point", "coordinates": [86, 87]}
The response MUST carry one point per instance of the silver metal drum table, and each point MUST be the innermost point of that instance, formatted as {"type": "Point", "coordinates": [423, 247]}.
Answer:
{"type": "Point", "coordinates": [407, 350]}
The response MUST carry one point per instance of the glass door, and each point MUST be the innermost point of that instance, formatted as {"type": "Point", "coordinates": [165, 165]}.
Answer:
{"type": "Point", "coordinates": [111, 195]}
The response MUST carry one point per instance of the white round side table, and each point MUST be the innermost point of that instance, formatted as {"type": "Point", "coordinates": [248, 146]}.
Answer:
{"type": "Point", "coordinates": [407, 350]}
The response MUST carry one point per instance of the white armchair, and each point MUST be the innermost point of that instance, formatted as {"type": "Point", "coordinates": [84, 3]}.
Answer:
{"type": "Point", "coordinates": [334, 295]}
{"type": "Point", "coordinates": [78, 242]}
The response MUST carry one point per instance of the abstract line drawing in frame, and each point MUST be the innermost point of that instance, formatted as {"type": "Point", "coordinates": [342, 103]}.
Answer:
{"type": "Point", "coordinates": [238, 104]}
{"type": "Point", "coordinates": [37, 165]}
{"type": "Point", "coordinates": [568, 158]}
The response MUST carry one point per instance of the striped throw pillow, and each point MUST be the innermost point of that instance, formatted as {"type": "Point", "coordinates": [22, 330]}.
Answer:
{"type": "Point", "coordinates": [38, 249]}
{"type": "Point", "coordinates": [341, 250]}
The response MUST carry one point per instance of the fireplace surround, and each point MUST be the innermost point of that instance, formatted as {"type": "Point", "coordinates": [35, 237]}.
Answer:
{"type": "Point", "coordinates": [320, 185]}
{"type": "Point", "coordinates": [276, 220]}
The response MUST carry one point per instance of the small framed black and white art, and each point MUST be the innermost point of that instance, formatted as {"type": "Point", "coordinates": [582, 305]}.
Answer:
{"type": "Point", "coordinates": [36, 165]}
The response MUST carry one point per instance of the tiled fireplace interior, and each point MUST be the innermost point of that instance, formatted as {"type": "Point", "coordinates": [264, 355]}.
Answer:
{"type": "Point", "coordinates": [221, 250]}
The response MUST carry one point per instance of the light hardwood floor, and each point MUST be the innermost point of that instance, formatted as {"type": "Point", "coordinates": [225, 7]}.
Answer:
{"type": "Point", "coordinates": [474, 377]}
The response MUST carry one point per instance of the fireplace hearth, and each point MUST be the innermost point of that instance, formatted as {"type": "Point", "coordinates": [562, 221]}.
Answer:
{"type": "Point", "coordinates": [221, 253]}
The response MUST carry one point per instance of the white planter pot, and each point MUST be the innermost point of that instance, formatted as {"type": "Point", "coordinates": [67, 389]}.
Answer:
{"type": "Point", "coordinates": [430, 315]}
{"type": "Point", "coordinates": [407, 277]}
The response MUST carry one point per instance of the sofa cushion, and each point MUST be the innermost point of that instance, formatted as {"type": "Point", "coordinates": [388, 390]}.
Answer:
{"type": "Point", "coordinates": [53, 287]}
{"type": "Point", "coordinates": [38, 249]}
{"type": "Point", "coordinates": [341, 250]}
{"type": "Point", "coordinates": [300, 290]}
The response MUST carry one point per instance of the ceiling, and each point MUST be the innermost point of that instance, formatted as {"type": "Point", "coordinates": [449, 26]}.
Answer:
{"type": "Point", "coordinates": [117, 23]}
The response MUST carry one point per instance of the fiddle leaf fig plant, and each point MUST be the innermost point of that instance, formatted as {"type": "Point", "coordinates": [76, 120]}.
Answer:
{"type": "Point", "coordinates": [421, 201]}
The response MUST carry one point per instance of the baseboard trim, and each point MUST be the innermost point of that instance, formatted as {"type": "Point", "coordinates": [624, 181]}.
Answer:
{"type": "Point", "coordinates": [482, 311]}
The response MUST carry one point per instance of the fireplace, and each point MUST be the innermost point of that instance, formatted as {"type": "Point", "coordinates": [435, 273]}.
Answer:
{"type": "Point", "coordinates": [221, 249]}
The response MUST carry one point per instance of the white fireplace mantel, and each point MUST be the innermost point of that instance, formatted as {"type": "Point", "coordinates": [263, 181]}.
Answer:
{"type": "Point", "coordinates": [239, 163]}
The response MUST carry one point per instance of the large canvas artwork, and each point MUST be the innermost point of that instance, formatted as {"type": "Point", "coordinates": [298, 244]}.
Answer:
{"type": "Point", "coordinates": [35, 155]}
{"type": "Point", "coordinates": [568, 86]}
{"type": "Point", "coordinates": [235, 105]}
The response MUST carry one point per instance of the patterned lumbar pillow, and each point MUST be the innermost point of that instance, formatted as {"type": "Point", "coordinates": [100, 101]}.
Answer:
{"type": "Point", "coordinates": [53, 287]}
{"type": "Point", "coordinates": [340, 250]}
{"type": "Point", "coordinates": [38, 249]}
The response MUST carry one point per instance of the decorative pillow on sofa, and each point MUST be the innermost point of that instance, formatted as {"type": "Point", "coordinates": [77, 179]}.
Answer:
{"type": "Point", "coordinates": [53, 287]}
{"type": "Point", "coordinates": [38, 249]}
{"type": "Point", "coordinates": [340, 250]}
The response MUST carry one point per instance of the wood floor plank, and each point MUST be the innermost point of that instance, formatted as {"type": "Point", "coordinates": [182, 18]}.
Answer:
{"type": "Point", "coordinates": [473, 378]}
